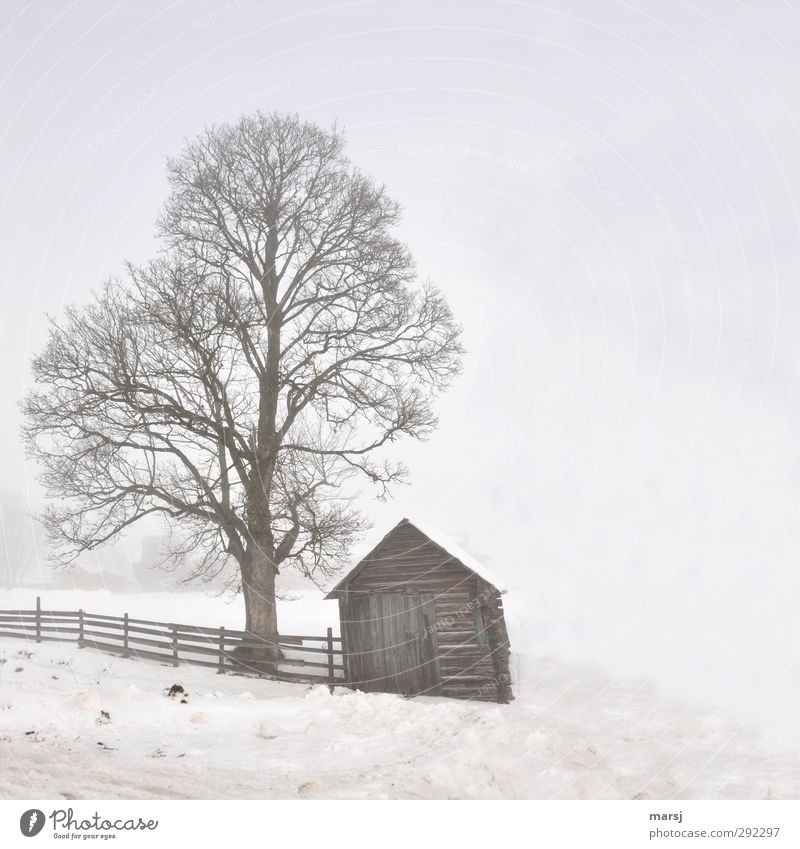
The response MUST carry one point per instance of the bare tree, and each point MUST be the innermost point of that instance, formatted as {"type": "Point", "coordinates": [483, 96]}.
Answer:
{"type": "Point", "coordinates": [239, 384]}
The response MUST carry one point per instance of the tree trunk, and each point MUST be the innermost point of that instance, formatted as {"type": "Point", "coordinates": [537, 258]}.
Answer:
{"type": "Point", "coordinates": [261, 620]}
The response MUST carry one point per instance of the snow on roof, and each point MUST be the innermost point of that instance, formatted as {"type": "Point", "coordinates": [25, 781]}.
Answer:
{"type": "Point", "coordinates": [461, 554]}
{"type": "Point", "coordinates": [444, 542]}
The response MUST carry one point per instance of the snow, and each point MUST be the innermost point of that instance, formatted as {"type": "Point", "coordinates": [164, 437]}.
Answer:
{"type": "Point", "coordinates": [443, 541]}
{"type": "Point", "coordinates": [623, 441]}
{"type": "Point", "coordinates": [571, 733]}
{"type": "Point", "coordinates": [452, 547]}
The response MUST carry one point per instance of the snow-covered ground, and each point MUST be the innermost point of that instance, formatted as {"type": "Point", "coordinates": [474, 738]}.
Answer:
{"type": "Point", "coordinates": [83, 724]}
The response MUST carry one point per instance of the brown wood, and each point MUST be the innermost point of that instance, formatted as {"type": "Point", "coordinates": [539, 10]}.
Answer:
{"type": "Point", "coordinates": [330, 656]}
{"type": "Point", "coordinates": [172, 643]}
{"type": "Point", "coordinates": [465, 651]}
{"type": "Point", "coordinates": [30, 626]}
{"type": "Point", "coordinates": [395, 654]}
{"type": "Point", "coordinates": [221, 661]}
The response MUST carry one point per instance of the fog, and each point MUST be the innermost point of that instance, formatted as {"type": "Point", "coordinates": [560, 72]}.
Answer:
{"type": "Point", "coordinates": [606, 195]}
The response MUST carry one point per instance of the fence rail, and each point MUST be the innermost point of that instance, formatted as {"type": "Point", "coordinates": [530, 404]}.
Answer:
{"type": "Point", "coordinates": [304, 659]}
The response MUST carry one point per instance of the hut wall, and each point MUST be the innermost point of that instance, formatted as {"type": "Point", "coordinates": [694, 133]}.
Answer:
{"type": "Point", "coordinates": [473, 659]}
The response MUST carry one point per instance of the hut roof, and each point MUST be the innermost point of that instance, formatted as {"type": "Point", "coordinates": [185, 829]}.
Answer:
{"type": "Point", "coordinates": [442, 541]}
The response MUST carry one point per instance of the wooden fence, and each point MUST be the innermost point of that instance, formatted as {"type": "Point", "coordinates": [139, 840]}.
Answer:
{"type": "Point", "coordinates": [305, 659]}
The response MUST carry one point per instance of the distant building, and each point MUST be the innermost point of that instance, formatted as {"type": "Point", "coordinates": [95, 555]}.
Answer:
{"type": "Point", "coordinates": [78, 577]}
{"type": "Point", "coordinates": [147, 575]}
{"type": "Point", "coordinates": [105, 568]}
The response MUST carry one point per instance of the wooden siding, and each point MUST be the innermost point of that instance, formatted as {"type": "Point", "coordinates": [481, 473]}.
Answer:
{"type": "Point", "coordinates": [472, 658]}
{"type": "Point", "coordinates": [398, 647]}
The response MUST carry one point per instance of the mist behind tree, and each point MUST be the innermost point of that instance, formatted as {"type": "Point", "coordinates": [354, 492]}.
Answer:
{"type": "Point", "coordinates": [21, 544]}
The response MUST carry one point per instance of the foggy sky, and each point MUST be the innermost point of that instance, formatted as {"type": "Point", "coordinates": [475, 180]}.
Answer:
{"type": "Point", "coordinates": [606, 192]}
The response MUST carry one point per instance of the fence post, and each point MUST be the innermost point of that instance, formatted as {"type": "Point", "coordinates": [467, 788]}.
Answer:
{"type": "Point", "coordinates": [330, 659]}
{"type": "Point", "coordinates": [80, 628]}
{"type": "Point", "coordinates": [221, 667]}
{"type": "Point", "coordinates": [174, 645]}
{"type": "Point", "coordinates": [125, 635]}
{"type": "Point", "coordinates": [38, 619]}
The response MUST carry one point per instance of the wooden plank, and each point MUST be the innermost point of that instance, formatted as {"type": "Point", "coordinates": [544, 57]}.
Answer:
{"type": "Point", "coordinates": [45, 617]}
{"type": "Point", "coordinates": [309, 649]}
{"type": "Point", "coordinates": [50, 629]}
{"type": "Point", "coordinates": [31, 626]}
{"type": "Point", "coordinates": [259, 643]}
{"type": "Point", "coordinates": [134, 653]}
{"type": "Point", "coordinates": [330, 655]}
{"type": "Point", "coordinates": [345, 639]}
{"type": "Point", "coordinates": [433, 638]}
{"type": "Point", "coordinates": [413, 565]}
{"type": "Point", "coordinates": [370, 652]}
{"type": "Point", "coordinates": [105, 636]}
{"type": "Point", "coordinates": [31, 635]}
{"type": "Point", "coordinates": [435, 575]}
{"type": "Point", "coordinates": [290, 661]}
{"type": "Point", "coordinates": [293, 638]}
{"type": "Point", "coordinates": [377, 638]}
{"type": "Point", "coordinates": [416, 571]}
{"type": "Point", "coordinates": [103, 616]}
{"type": "Point", "coordinates": [32, 612]}
{"type": "Point", "coordinates": [221, 649]}
{"type": "Point", "coordinates": [189, 628]}
{"type": "Point", "coordinates": [387, 635]}
{"type": "Point", "coordinates": [60, 613]}
{"type": "Point", "coordinates": [132, 629]}
{"type": "Point", "coordinates": [213, 664]}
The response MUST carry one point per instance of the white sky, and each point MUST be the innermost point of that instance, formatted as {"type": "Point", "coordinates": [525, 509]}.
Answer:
{"type": "Point", "coordinates": [604, 191]}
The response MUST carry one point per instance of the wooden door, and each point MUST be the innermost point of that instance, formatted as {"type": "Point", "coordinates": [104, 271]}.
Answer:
{"type": "Point", "coordinates": [394, 644]}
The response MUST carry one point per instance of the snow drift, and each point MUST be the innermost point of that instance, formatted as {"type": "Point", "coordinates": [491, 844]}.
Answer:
{"type": "Point", "coordinates": [81, 724]}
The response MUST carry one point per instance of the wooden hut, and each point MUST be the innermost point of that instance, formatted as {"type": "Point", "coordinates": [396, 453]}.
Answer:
{"type": "Point", "coordinates": [421, 616]}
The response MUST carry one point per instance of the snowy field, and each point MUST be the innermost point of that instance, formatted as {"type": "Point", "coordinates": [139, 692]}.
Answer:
{"type": "Point", "coordinates": [83, 724]}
